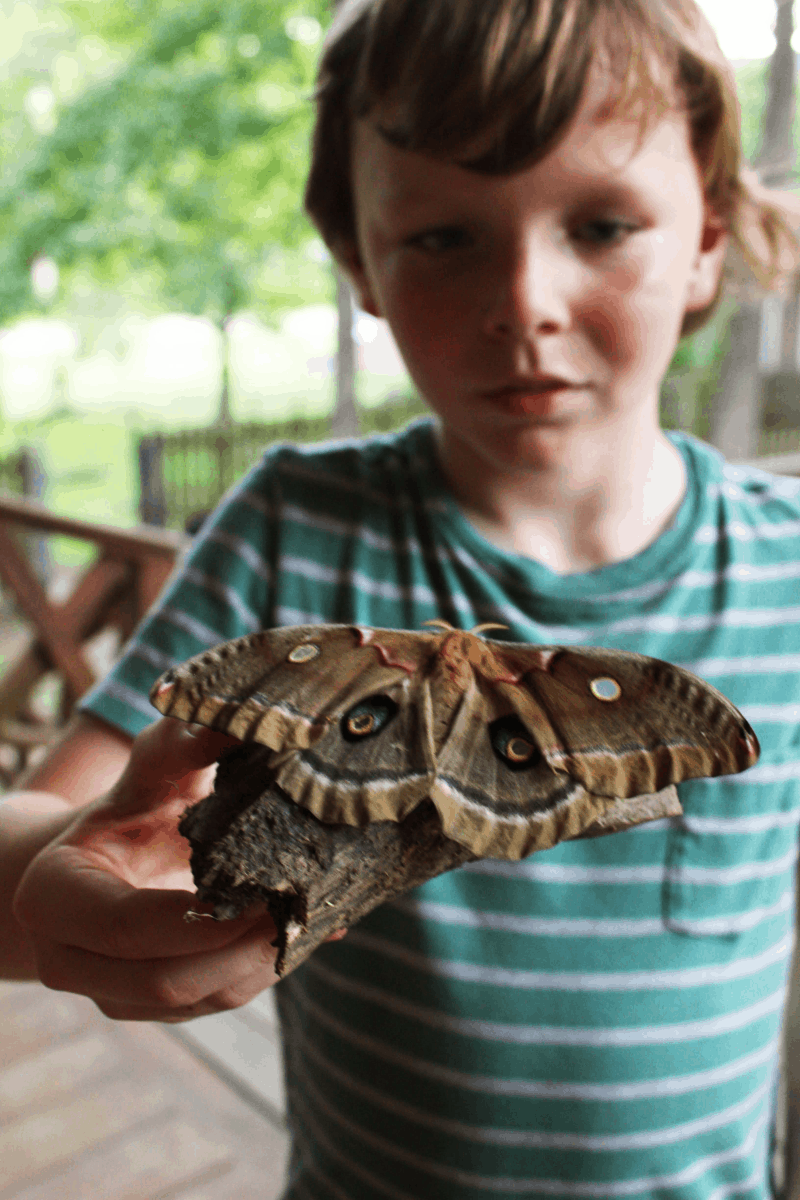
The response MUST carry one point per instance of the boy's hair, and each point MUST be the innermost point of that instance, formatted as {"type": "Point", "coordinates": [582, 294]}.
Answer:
{"type": "Point", "coordinates": [440, 76]}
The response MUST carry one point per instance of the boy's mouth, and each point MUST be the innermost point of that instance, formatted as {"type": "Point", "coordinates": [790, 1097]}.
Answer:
{"type": "Point", "coordinates": [534, 397]}
{"type": "Point", "coordinates": [531, 386]}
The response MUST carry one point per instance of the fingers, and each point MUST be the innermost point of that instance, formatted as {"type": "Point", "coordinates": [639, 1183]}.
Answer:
{"type": "Point", "coordinates": [98, 912]}
{"type": "Point", "coordinates": [170, 759]}
{"type": "Point", "coordinates": [105, 903]}
{"type": "Point", "coordinates": [63, 898]}
{"type": "Point", "coordinates": [169, 990]}
{"type": "Point", "coordinates": [219, 979]}
{"type": "Point", "coordinates": [130, 1012]}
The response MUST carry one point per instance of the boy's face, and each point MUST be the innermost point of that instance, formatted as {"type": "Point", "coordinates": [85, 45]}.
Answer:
{"type": "Point", "coordinates": [580, 268]}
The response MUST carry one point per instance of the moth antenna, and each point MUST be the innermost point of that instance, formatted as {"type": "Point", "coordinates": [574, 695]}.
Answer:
{"type": "Point", "coordinates": [442, 624]}
{"type": "Point", "coordinates": [487, 625]}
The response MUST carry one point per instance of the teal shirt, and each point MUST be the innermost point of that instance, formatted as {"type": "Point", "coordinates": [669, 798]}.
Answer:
{"type": "Point", "coordinates": [600, 1019]}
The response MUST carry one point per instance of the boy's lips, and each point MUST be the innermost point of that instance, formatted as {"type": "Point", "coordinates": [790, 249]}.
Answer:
{"type": "Point", "coordinates": [538, 396]}
{"type": "Point", "coordinates": [531, 385]}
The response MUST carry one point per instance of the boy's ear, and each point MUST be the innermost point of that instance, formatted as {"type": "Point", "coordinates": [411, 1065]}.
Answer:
{"type": "Point", "coordinates": [349, 259]}
{"type": "Point", "coordinates": [708, 264]}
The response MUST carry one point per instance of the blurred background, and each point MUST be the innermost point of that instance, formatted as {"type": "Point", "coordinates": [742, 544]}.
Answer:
{"type": "Point", "coordinates": [165, 306]}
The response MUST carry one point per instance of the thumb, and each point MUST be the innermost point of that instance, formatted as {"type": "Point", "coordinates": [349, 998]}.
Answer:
{"type": "Point", "coordinates": [170, 762]}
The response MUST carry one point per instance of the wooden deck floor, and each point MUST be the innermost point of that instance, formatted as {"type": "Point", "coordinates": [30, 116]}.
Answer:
{"type": "Point", "coordinates": [93, 1109]}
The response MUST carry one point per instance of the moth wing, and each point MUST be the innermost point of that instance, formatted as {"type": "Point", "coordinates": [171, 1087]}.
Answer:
{"type": "Point", "coordinates": [497, 808]}
{"type": "Point", "coordinates": [627, 725]}
{"type": "Point", "coordinates": [280, 687]}
{"type": "Point", "coordinates": [602, 727]}
{"type": "Point", "coordinates": [291, 689]}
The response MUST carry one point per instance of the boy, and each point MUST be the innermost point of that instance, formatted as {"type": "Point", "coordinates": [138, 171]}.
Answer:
{"type": "Point", "coordinates": [602, 1019]}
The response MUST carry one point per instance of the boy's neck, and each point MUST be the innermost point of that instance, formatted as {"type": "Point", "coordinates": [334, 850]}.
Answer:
{"type": "Point", "coordinates": [603, 505]}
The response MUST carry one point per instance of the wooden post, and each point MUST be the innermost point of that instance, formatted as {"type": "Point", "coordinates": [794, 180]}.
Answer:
{"type": "Point", "coordinates": [34, 483]}
{"type": "Point", "coordinates": [777, 158]}
{"type": "Point", "coordinates": [744, 393]}
{"type": "Point", "coordinates": [790, 331]}
{"type": "Point", "coordinates": [344, 422]}
{"type": "Point", "coordinates": [223, 447]}
{"type": "Point", "coordinates": [224, 417]}
{"type": "Point", "coordinates": [152, 505]}
{"type": "Point", "coordinates": [736, 416]}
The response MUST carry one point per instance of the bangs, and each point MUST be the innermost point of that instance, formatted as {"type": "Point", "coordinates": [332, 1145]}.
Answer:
{"type": "Point", "coordinates": [495, 90]}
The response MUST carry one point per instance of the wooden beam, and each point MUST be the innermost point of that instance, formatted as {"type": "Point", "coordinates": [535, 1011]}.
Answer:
{"type": "Point", "coordinates": [17, 574]}
{"type": "Point", "coordinates": [78, 617]}
{"type": "Point", "coordinates": [150, 578]}
{"type": "Point", "coordinates": [138, 543]}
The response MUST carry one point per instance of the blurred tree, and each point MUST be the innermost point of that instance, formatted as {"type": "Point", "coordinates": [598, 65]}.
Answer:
{"type": "Point", "coordinates": [182, 171]}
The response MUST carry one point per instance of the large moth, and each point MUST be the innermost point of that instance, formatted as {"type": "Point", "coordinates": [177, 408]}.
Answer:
{"type": "Point", "coordinates": [374, 759]}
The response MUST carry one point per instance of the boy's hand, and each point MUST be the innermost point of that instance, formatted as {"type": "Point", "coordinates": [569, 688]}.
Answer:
{"type": "Point", "coordinates": [103, 904]}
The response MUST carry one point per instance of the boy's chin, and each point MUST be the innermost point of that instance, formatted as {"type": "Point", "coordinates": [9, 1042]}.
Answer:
{"type": "Point", "coordinates": [536, 445]}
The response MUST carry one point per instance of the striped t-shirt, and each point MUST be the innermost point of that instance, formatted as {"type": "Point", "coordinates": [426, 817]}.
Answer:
{"type": "Point", "coordinates": [601, 1019]}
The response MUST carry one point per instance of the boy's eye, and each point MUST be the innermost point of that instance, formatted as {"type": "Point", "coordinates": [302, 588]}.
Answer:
{"type": "Point", "coordinates": [606, 232]}
{"type": "Point", "coordinates": [437, 240]}
{"type": "Point", "coordinates": [600, 234]}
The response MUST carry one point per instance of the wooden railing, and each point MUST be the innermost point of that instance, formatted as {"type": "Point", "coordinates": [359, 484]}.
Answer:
{"type": "Point", "coordinates": [776, 464]}
{"type": "Point", "coordinates": [109, 596]}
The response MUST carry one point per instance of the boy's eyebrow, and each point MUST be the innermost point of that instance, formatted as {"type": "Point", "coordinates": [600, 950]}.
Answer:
{"type": "Point", "coordinates": [404, 198]}
{"type": "Point", "coordinates": [399, 197]}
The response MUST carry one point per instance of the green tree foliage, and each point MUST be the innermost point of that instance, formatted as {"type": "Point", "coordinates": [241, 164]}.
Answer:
{"type": "Point", "coordinates": [184, 168]}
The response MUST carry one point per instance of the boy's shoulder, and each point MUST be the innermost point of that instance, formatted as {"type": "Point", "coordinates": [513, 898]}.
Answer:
{"type": "Point", "coordinates": [741, 483]}
{"type": "Point", "coordinates": [379, 460]}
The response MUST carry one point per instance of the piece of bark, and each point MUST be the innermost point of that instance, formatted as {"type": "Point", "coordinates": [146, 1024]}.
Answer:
{"type": "Point", "coordinates": [624, 814]}
{"type": "Point", "coordinates": [251, 843]}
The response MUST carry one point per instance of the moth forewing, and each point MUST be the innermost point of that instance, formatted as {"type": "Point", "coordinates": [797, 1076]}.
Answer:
{"type": "Point", "coordinates": [517, 746]}
{"type": "Point", "coordinates": [666, 725]}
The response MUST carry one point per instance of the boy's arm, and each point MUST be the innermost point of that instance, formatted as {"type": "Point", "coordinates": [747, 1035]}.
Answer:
{"type": "Point", "coordinates": [87, 760]}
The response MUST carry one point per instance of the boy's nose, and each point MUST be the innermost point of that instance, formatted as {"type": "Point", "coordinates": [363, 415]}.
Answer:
{"type": "Point", "coordinates": [531, 294]}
